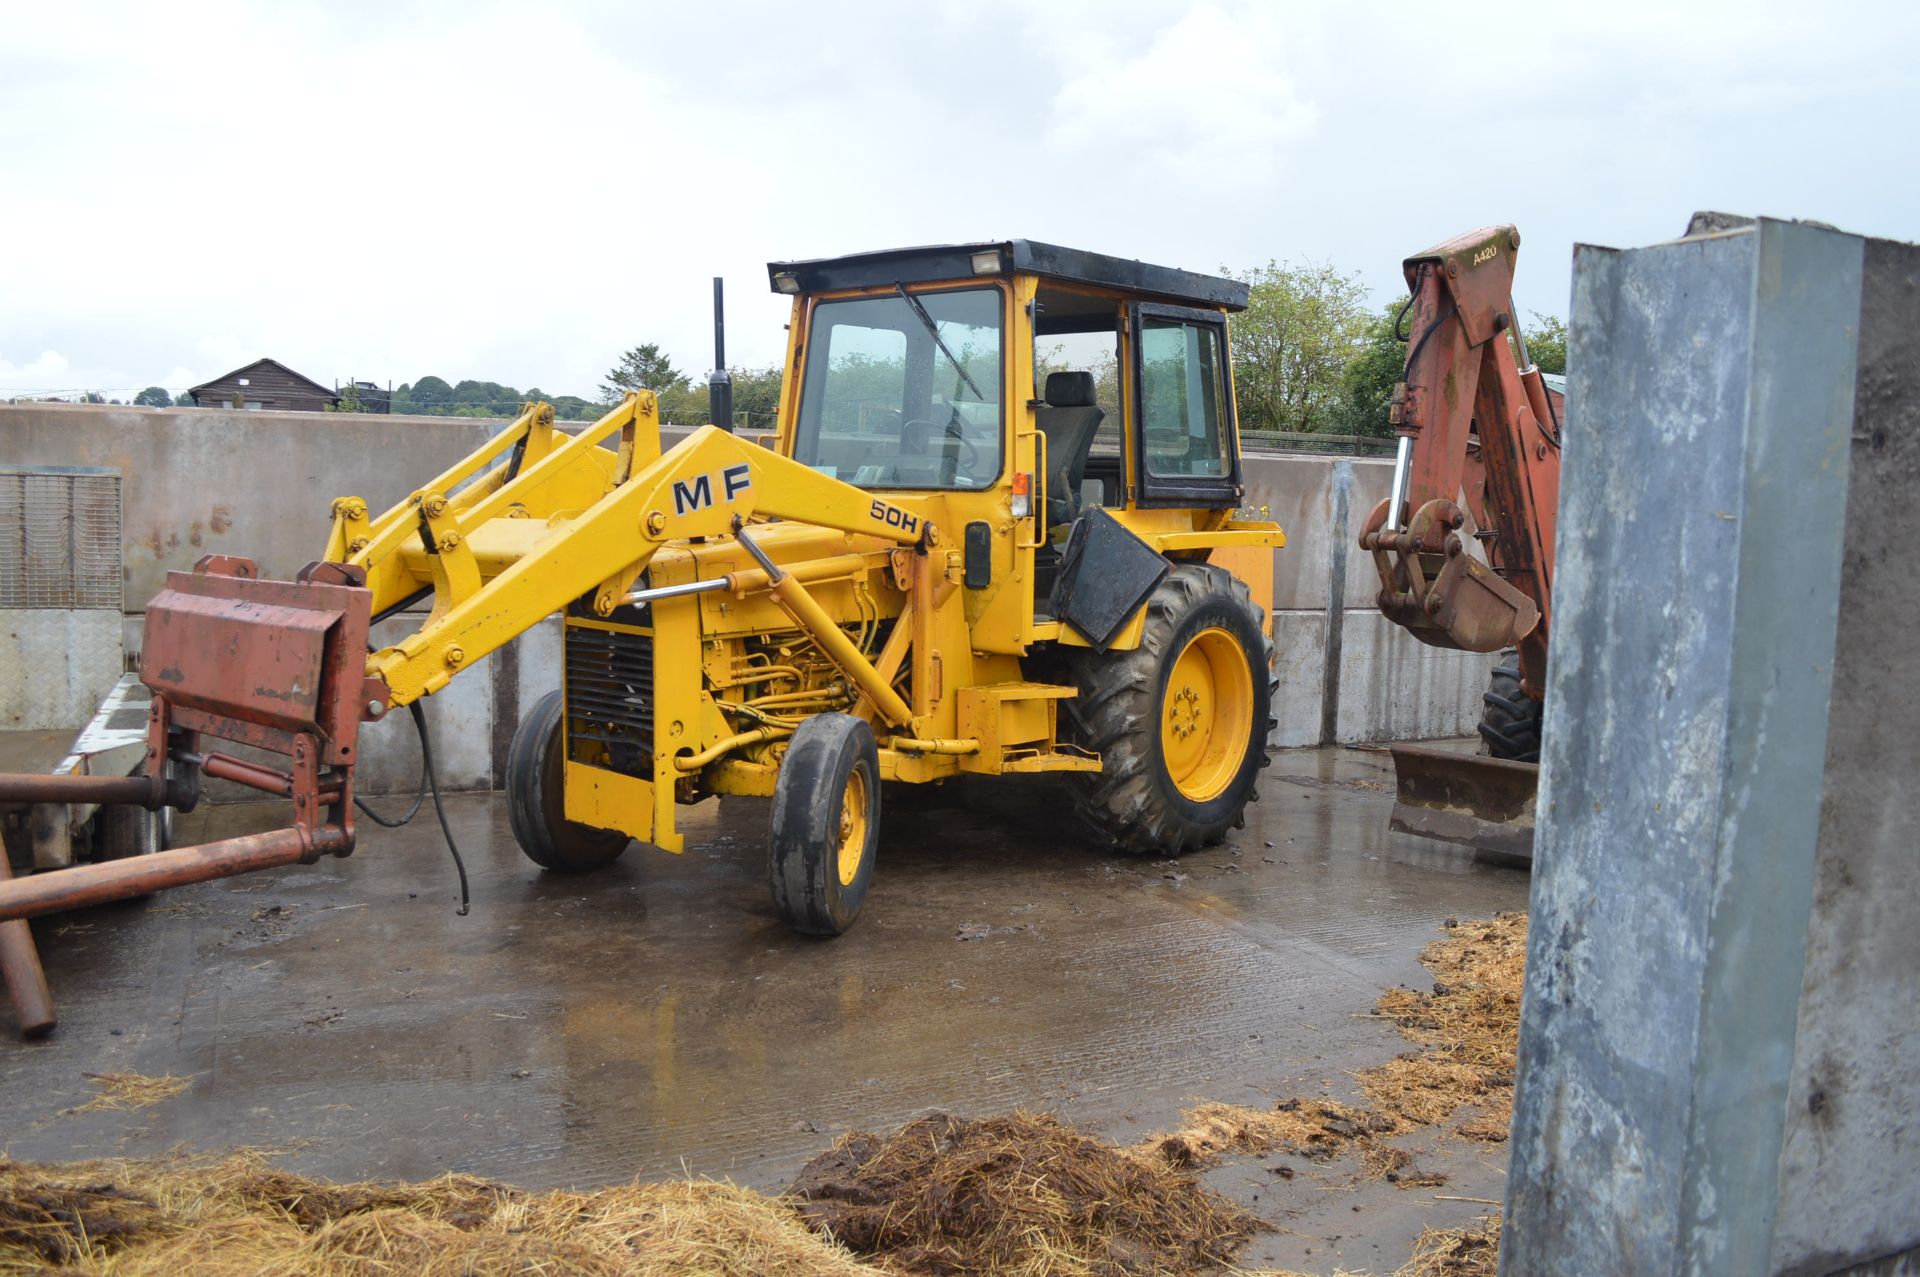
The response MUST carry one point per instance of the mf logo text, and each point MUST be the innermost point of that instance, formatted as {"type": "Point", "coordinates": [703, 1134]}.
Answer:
{"type": "Point", "coordinates": [697, 493]}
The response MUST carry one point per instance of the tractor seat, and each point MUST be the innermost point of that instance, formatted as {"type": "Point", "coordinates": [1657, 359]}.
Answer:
{"type": "Point", "coordinates": [1068, 418]}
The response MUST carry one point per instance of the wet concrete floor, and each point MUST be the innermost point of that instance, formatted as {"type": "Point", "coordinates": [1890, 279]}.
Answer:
{"type": "Point", "coordinates": [657, 1018]}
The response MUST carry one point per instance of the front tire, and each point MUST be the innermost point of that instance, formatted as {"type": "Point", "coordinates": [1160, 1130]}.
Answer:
{"type": "Point", "coordinates": [1509, 718]}
{"type": "Point", "coordinates": [1181, 723]}
{"type": "Point", "coordinates": [826, 824]}
{"type": "Point", "coordinates": [536, 804]}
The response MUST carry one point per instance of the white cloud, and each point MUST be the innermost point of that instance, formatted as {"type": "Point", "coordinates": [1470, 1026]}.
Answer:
{"type": "Point", "coordinates": [518, 192]}
{"type": "Point", "coordinates": [1208, 92]}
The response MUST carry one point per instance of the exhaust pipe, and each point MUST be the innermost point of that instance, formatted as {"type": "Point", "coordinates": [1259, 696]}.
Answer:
{"type": "Point", "coordinates": [720, 381]}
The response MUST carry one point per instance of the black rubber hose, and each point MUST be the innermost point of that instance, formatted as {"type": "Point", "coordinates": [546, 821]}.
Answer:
{"type": "Point", "coordinates": [429, 783]}
{"type": "Point", "coordinates": [433, 784]}
{"type": "Point", "coordinates": [394, 823]}
{"type": "Point", "coordinates": [1426, 336]}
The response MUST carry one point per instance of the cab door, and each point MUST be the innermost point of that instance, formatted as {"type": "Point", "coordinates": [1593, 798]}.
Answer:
{"type": "Point", "coordinates": [1184, 445]}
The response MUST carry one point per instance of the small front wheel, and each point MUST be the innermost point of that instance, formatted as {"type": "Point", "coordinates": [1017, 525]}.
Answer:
{"type": "Point", "coordinates": [826, 824]}
{"type": "Point", "coordinates": [536, 800]}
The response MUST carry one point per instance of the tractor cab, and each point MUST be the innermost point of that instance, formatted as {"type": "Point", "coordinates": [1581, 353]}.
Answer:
{"type": "Point", "coordinates": [993, 383]}
{"type": "Point", "coordinates": [919, 367]}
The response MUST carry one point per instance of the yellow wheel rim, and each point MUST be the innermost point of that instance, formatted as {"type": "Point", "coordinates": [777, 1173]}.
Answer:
{"type": "Point", "coordinates": [1206, 718]}
{"type": "Point", "coordinates": [853, 826]}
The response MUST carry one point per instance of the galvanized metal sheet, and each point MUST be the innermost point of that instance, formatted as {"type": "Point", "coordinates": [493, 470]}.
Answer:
{"type": "Point", "coordinates": [56, 665]}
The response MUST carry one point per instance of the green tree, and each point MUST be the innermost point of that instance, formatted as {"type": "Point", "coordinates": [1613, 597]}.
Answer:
{"type": "Point", "coordinates": [93, 396]}
{"type": "Point", "coordinates": [574, 408]}
{"type": "Point", "coordinates": [349, 399]}
{"type": "Point", "coordinates": [642, 368]}
{"type": "Point", "coordinates": [431, 395]}
{"type": "Point", "coordinates": [496, 399]}
{"type": "Point", "coordinates": [154, 397]}
{"type": "Point", "coordinates": [1367, 382]}
{"type": "Point", "coordinates": [756, 400]}
{"type": "Point", "coordinates": [756, 397]}
{"type": "Point", "coordinates": [1547, 343]}
{"type": "Point", "coordinates": [1302, 326]}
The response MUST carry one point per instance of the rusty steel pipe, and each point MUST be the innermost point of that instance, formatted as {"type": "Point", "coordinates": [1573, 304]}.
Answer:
{"type": "Point", "coordinates": [20, 966]}
{"type": "Point", "coordinates": [30, 787]}
{"type": "Point", "coordinates": [254, 776]}
{"type": "Point", "coordinates": [137, 875]}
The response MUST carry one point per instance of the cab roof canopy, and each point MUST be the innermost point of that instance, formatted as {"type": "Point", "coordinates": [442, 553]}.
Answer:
{"type": "Point", "coordinates": [1004, 257]}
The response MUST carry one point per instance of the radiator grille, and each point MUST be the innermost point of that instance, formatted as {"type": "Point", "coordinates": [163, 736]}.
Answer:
{"type": "Point", "coordinates": [59, 538]}
{"type": "Point", "coordinates": [610, 697]}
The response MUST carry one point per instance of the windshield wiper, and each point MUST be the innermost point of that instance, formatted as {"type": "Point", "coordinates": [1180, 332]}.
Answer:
{"type": "Point", "coordinates": [933, 330]}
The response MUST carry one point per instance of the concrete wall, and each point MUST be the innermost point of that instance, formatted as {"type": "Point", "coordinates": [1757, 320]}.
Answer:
{"type": "Point", "coordinates": [1363, 678]}
{"type": "Point", "coordinates": [261, 484]}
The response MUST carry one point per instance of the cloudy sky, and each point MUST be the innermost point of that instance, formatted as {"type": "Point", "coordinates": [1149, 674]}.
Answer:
{"type": "Point", "coordinates": [518, 192]}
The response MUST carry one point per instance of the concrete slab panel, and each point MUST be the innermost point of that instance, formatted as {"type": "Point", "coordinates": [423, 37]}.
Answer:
{"type": "Point", "coordinates": [459, 722]}
{"type": "Point", "coordinates": [1296, 493]}
{"type": "Point", "coordinates": [1299, 662]}
{"type": "Point", "coordinates": [259, 484]}
{"type": "Point", "coordinates": [1394, 687]}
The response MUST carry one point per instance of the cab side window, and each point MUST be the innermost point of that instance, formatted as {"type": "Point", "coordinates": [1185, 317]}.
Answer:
{"type": "Point", "coordinates": [1183, 400]}
{"type": "Point", "coordinates": [1182, 407]}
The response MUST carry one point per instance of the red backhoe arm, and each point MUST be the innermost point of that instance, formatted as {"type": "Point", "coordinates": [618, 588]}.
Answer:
{"type": "Point", "coordinates": [1465, 394]}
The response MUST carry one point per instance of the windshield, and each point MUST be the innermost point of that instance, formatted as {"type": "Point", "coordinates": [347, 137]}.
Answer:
{"type": "Point", "coordinates": [904, 391]}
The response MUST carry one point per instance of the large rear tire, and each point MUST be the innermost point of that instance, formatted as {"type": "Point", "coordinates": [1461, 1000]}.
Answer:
{"type": "Point", "coordinates": [1181, 723]}
{"type": "Point", "coordinates": [826, 824]}
{"type": "Point", "coordinates": [1509, 718]}
{"type": "Point", "coordinates": [536, 774]}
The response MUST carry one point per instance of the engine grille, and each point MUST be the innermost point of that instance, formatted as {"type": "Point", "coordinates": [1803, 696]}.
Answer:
{"type": "Point", "coordinates": [610, 697]}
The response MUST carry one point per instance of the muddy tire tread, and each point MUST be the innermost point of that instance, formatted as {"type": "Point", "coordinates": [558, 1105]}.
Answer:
{"type": "Point", "coordinates": [534, 774]}
{"type": "Point", "coordinates": [1126, 806]}
{"type": "Point", "coordinates": [1509, 718]}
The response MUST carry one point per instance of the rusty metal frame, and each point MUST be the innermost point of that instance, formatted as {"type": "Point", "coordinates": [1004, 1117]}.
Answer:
{"type": "Point", "coordinates": [279, 666]}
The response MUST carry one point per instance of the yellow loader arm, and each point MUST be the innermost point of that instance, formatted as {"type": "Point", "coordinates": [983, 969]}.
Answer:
{"type": "Point", "coordinates": [565, 517]}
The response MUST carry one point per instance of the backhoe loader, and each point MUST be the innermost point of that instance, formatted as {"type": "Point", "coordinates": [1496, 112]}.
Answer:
{"type": "Point", "coordinates": [1476, 425]}
{"type": "Point", "coordinates": [995, 532]}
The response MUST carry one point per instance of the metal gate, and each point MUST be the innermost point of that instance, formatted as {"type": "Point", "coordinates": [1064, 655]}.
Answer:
{"type": "Point", "coordinates": [62, 646]}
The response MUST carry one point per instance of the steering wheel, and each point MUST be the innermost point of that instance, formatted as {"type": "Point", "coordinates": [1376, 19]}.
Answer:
{"type": "Point", "coordinates": [952, 430]}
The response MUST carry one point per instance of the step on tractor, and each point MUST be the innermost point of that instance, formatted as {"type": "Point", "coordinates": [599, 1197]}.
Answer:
{"type": "Point", "coordinates": [996, 532]}
{"type": "Point", "coordinates": [1464, 543]}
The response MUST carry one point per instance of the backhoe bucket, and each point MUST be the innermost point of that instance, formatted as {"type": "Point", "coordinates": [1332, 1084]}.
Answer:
{"type": "Point", "coordinates": [276, 665]}
{"type": "Point", "coordinates": [1475, 801]}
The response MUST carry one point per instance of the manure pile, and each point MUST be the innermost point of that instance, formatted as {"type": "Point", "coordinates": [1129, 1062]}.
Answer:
{"type": "Point", "coordinates": [238, 1216]}
{"type": "Point", "coordinates": [1023, 1195]}
{"type": "Point", "coordinates": [1013, 1195]}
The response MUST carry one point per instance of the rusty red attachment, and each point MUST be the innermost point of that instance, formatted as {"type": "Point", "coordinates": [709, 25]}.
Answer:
{"type": "Point", "coordinates": [1484, 803]}
{"type": "Point", "coordinates": [262, 662]}
{"type": "Point", "coordinates": [1439, 592]}
{"type": "Point", "coordinates": [278, 666]}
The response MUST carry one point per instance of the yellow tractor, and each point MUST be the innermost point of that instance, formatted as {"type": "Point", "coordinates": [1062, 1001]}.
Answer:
{"type": "Point", "coordinates": [995, 532]}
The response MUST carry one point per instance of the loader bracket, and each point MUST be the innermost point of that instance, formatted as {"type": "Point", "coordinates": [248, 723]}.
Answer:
{"type": "Point", "coordinates": [276, 665]}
